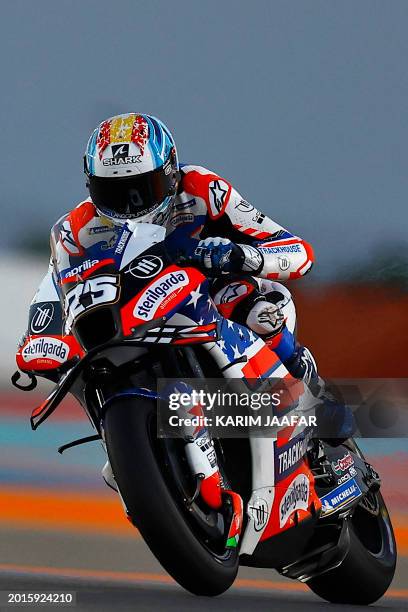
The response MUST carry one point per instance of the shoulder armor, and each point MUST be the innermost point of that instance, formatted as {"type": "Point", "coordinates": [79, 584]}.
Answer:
{"type": "Point", "coordinates": [204, 184]}
{"type": "Point", "coordinates": [67, 228]}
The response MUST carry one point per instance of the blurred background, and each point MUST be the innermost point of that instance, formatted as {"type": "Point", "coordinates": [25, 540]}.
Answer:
{"type": "Point", "coordinates": [301, 105]}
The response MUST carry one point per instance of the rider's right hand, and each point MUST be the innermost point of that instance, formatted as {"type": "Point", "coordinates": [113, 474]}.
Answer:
{"type": "Point", "coordinates": [218, 256]}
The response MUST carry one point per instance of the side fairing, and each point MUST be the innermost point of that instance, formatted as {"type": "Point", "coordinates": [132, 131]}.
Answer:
{"type": "Point", "coordinates": [45, 346]}
{"type": "Point", "coordinates": [81, 248]}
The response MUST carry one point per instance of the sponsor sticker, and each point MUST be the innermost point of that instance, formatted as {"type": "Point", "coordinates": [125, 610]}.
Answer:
{"type": "Point", "coordinates": [120, 156]}
{"type": "Point", "coordinates": [288, 457]}
{"type": "Point", "coordinates": [159, 294]}
{"type": "Point", "coordinates": [352, 472]}
{"type": "Point", "coordinates": [146, 266]}
{"type": "Point", "coordinates": [260, 513]}
{"type": "Point", "coordinates": [45, 348]}
{"type": "Point", "coordinates": [85, 265]}
{"type": "Point", "coordinates": [184, 205]}
{"type": "Point", "coordinates": [182, 218]}
{"type": "Point", "coordinates": [167, 167]}
{"type": "Point", "coordinates": [284, 263]}
{"type": "Point", "coordinates": [101, 229]}
{"type": "Point", "coordinates": [295, 498]}
{"type": "Point", "coordinates": [42, 317]}
{"type": "Point", "coordinates": [67, 239]}
{"type": "Point", "coordinates": [204, 441]}
{"type": "Point", "coordinates": [253, 258]}
{"type": "Point", "coordinates": [233, 292]}
{"type": "Point", "coordinates": [244, 206]}
{"type": "Point", "coordinates": [343, 464]}
{"type": "Point", "coordinates": [122, 242]}
{"type": "Point", "coordinates": [259, 218]}
{"type": "Point", "coordinates": [247, 208]}
{"type": "Point", "coordinates": [340, 496]}
{"type": "Point", "coordinates": [218, 191]}
{"type": "Point", "coordinates": [290, 248]}
{"type": "Point", "coordinates": [212, 458]}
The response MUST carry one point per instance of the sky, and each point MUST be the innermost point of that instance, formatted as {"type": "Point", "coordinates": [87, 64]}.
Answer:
{"type": "Point", "coordinates": [301, 104]}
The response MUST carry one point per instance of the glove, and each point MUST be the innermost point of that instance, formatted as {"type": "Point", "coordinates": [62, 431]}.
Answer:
{"type": "Point", "coordinates": [219, 256]}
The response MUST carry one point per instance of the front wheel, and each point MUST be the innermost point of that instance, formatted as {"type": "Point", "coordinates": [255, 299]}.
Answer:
{"type": "Point", "coordinates": [368, 568]}
{"type": "Point", "coordinates": [157, 508]}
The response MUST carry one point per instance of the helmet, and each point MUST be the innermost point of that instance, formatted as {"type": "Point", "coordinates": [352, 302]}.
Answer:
{"type": "Point", "coordinates": [132, 168]}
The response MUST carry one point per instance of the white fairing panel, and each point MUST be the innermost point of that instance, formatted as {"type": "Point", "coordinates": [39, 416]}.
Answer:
{"type": "Point", "coordinates": [263, 492]}
{"type": "Point", "coordinates": [144, 235]}
{"type": "Point", "coordinates": [46, 291]}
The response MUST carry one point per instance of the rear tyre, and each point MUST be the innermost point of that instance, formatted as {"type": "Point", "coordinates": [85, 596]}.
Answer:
{"type": "Point", "coordinates": [368, 569]}
{"type": "Point", "coordinates": [152, 502]}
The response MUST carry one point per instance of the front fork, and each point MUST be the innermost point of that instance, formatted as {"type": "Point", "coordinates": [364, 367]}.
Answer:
{"type": "Point", "coordinates": [202, 459]}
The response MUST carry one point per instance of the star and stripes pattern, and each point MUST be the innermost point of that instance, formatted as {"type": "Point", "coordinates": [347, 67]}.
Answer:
{"type": "Point", "coordinates": [198, 321]}
{"type": "Point", "coordinates": [195, 320]}
{"type": "Point", "coordinates": [251, 231]}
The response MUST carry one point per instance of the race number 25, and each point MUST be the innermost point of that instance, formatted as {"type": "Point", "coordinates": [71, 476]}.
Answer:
{"type": "Point", "coordinates": [89, 294]}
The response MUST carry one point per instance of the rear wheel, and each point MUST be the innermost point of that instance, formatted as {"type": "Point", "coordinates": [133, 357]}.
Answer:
{"type": "Point", "coordinates": [189, 543]}
{"type": "Point", "coordinates": [368, 569]}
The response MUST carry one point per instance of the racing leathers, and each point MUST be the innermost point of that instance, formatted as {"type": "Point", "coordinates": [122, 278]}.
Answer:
{"type": "Point", "coordinates": [244, 251]}
{"type": "Point", "coordinates": [247, 254]}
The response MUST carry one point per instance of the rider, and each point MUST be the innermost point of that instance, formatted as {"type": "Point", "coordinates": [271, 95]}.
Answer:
{"type": "Point", "coordinates": [133, 174]}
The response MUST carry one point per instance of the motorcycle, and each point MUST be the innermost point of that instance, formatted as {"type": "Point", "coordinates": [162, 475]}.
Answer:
{"type": "Point", "coordinates": [131, 316]}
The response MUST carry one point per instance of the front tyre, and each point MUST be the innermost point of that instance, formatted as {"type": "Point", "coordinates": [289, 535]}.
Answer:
{"type": "Point", "coordinates": [368, 569]}
{"type": "Point", "coordinates": [153, 505]}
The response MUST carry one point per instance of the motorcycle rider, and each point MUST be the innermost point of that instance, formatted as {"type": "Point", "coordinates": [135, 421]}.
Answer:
{"type": "Point", "coordinates": [133, 174]}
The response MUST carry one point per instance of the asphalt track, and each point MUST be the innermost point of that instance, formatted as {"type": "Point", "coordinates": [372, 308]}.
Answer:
{"type": "Point", "coordinates": [62, 529]}
{"type": "Point", "coordinates": [119, 573]}
{"type": "Point", "coordinates": [145, 597]}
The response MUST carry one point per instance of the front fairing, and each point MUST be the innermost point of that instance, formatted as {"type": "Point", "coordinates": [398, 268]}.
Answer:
{"type": "Point", "coordinates": [122, 283]}
{"type": "Point", "coordinates": [104, 244]}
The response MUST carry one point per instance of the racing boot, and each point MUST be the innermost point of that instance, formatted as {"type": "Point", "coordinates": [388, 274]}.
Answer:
{"type": "Point", "coordinates": [270, 321]}
{"type": "Point", "coordinates": [335, 418]}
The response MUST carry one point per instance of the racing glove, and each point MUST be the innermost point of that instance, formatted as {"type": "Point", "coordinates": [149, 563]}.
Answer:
{"type": "Point", "coordinates": [221, 256]}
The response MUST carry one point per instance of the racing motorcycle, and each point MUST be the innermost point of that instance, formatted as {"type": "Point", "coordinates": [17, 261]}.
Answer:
{"type": "Point", "coordinates": [131, 315]}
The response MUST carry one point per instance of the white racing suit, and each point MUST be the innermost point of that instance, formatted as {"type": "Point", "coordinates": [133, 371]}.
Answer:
{"type": "Point", "coordinates": [206, 206]}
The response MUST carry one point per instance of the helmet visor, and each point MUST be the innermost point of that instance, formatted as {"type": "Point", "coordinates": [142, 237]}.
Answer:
{"type": "Point", "coordinates": [132, 196]}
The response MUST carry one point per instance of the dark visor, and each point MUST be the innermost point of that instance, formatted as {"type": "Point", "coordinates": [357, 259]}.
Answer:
{"type": "Point", "coordinates": [132, 195]}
